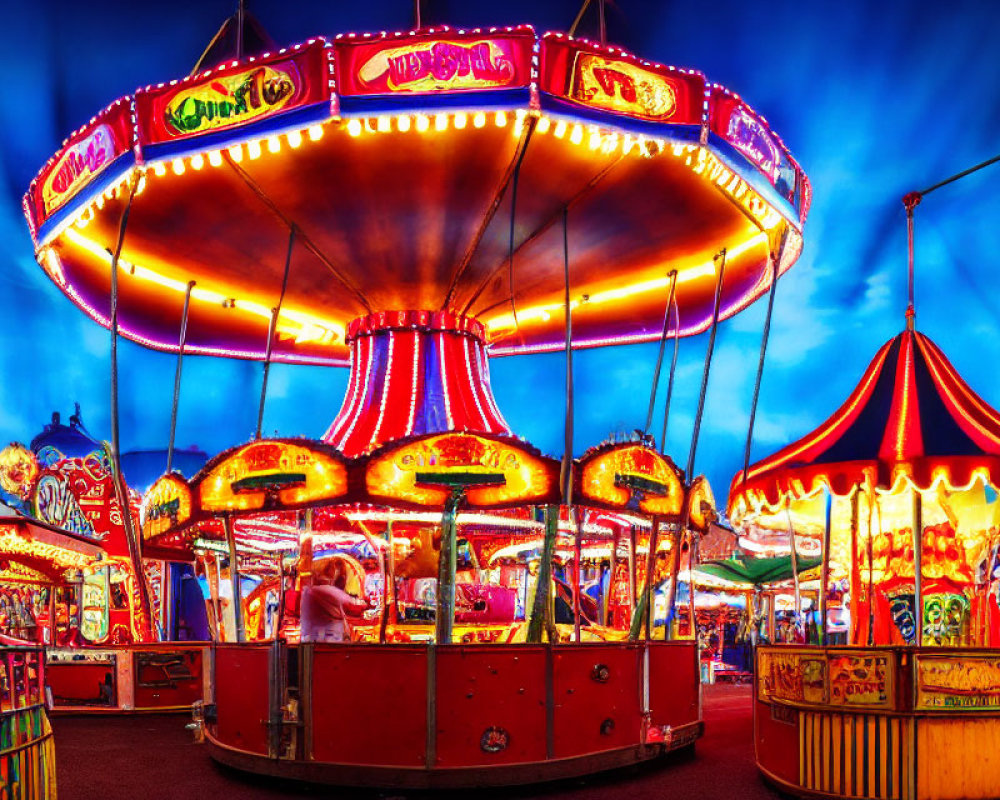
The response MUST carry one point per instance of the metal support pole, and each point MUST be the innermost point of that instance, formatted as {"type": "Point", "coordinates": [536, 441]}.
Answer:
{"type": "Point", "coordinates": [642, 619]}
{"type": "Point", "coordinates": [234, 579]}
{"type": "Point", "coordinates": [670, 380]}
{"type": "Point", "coordinates": [541, 614]}
{"type": "Point", "coordinates": [707, 368]}
{"type": "Point", "coordinates": [795, 562]}
{"type": "Point", "coordinates": [693, 549]}
{"type": "Point", "coordinates": [177, 376]}
{"type": "Point", "coordinates": [444, 615]}
{"type": "Point", "coordinates": [659, 354]}
{"type": "Point", "coordinates": [824, 580]}
{"type": "Point", "coordinates": [567, 459]}
{"type": "Point", "coordinates": [675, 569]}
{"type": "Point", "coordinates": [577, 577]}
{"type": "Point", "coordinates": [270, 331]}
{"type": "Point", "coordinates": [121, 492]}
{"type": "Point", "coordinates": [775, 264]}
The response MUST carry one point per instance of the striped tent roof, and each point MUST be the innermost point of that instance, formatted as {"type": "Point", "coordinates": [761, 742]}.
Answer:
{"type": "Point", "coordinates": [910, 415]}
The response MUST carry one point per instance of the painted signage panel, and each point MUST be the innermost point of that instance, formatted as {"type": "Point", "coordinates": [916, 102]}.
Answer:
{"type": "Point", "coordinates": [491, 472]}
{"type": "Point", "coordinates": [632, 476]}
{"type": "Point", "coordinates": [593, 77]}
{"type": "Point", "coordinates": [860, 680]}
{"type": "Point", "coordinates": [78, 495]}
{"type": "Point", "coordinates": [229, 98]}
{"type": "Point", "coordinates": [792, 676]}
{"type": "Point", "coordinates": [166, 505]}
{"type": "Point", "coordinates": [426, 64]}
{"type": "Point", "coordinates": [84, 156]}
{"type": "Point", "coordinates": [741, 126]}
{"type": "Point", "coordinates": [814, 677]}
{"type": "Point", "coordinates": [271, 474]}
{"type": "Point", "coordinates": [958, 682]}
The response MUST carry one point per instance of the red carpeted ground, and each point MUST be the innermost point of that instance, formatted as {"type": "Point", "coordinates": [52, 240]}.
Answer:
{"type": "Point", "coordinates": [154, 758]}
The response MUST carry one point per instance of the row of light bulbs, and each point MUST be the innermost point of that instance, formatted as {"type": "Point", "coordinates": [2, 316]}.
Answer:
{"type": "Point", "coordinates": [578, 134]}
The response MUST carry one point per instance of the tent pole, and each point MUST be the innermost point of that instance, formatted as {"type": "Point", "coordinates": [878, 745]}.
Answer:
{"type": "Point", "coordinates": [824, 580]}
{"type": "Point", "coordinates": [795, 561]}
{"type": "Point", "coordinates": [177, 376]}
{"type": "Point", "coordinates": [234, 579]}
{"type": "Point", "coordinates": [918, 565]}
{"type": "Point", "coordinates": [577, 575]}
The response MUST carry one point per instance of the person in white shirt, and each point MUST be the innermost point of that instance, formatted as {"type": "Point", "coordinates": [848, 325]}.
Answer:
{"type": "Point", "coordinates": [326, 605]}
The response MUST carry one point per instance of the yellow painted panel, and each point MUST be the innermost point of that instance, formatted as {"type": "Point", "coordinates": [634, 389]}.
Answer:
{"type": "Point", "coordinates": [871, 790]}
{"type": "Point", "coordinates": [958, 759]}
{"type": "Point", "coordinates": [885, 753]}
{"type": "Point", "coordinates": [850, 752]}
{"type": "Point", "coordinates": [837, 735]}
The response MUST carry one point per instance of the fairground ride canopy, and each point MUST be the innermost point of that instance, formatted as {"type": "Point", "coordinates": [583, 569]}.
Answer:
{"type": "Point", "coordinates": [431, 169]}
{"type": "Point", "coordinates": [912, 420]}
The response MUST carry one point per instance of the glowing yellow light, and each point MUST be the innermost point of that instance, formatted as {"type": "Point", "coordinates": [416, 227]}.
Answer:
{"type": "Point", "coordinates": [140, 187]}
{"type": "Point", "coordinates": [440, 122]}
{"type": "Point", "coordinates": [461, 120]}
{"type": "Point", "coordinates": [423, 123]}
{"type": "Point", "coordinates": [627, 142]}
{"type": "Point", "coordinates": [403, 123]}
{"type": "Point", "coordinates": [273, 144]}
{"type": "Point", "coordinates": [500, 119]}
{"type": "Point", "coordinates": [215, 158]}
{"type": "Point", "coordinates": [543, 125]}
{"type": "Point", "coordinates": [236, 153]}
{"type": "Point", "coordinates": [703, 270]}
{"type": "Point", "coordinates": [577, 135]}
{"type": "Point", "coordinates": [197, 161]}
{"type": "Point", "coordinates": [294, 139]}
{"type": "Point", "coordinates": [253, 149]}
{"type": "Point", "coordinates": [309, 328]}
{"type": "Point", "coordinates": [479, 120]}
{"type": "Point", "coordinates": [382, 125]}
{"type": "Point", "coordinates": [159, 169]}
{"type": "Point", "coordinates": [177, 165]}
{"type": "Point", "coordinates": [595, 141]}
{"type": "Point", "coordinates": [354, 127]}
{"type": "Point", "coordinates": [560, 130]}
{"type": "Point", "coordinates": [82, 221]}
{"type": "Point", "coordinates": [100, 197]}
{"type": "Point", "coordinates": [316, 133]}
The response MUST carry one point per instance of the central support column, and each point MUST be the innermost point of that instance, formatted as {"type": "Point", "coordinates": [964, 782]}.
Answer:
{"type": "Point", "coordinates": [414, 372]}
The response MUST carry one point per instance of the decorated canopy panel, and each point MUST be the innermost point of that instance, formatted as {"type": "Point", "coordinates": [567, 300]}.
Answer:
{"type": "Point", "coordinates": [492, 472]}
{"type": "Point", "coordinates": [395, 159]}
{"type": "Point", "coordinates": [270, 474]}
{"type": "Point", "coordinates": [911, 418]}
{"type": "Point", "coordinates": [630, 476]}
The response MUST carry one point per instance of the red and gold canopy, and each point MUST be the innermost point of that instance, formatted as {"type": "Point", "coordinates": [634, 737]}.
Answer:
{"type": "Point", "coordinates": [394, 160]}
{"type": "Point", "coordinates": [911, 418]}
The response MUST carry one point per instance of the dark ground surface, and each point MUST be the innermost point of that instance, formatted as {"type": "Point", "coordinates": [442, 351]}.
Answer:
{"type": "Point", "coordinates": [154, 758]}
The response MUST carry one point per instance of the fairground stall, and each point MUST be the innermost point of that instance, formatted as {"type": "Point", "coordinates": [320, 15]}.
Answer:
{"type": "Point", "coordinates": [739, 599]}
{"type": "Point", "coordinates": [402, 203]}
{"type": "Point", "coordinates": [27, 750]}
{"type": "Point", "coordinates": [898, 490]}
{"type": "Point", "coordinates": [38, 565]}
{"type": "Point", "coordinates": [96, 619]}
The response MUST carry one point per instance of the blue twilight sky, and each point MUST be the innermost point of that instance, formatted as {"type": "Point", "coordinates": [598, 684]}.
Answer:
{"type": "Point", "coordinates": [873, 99]}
